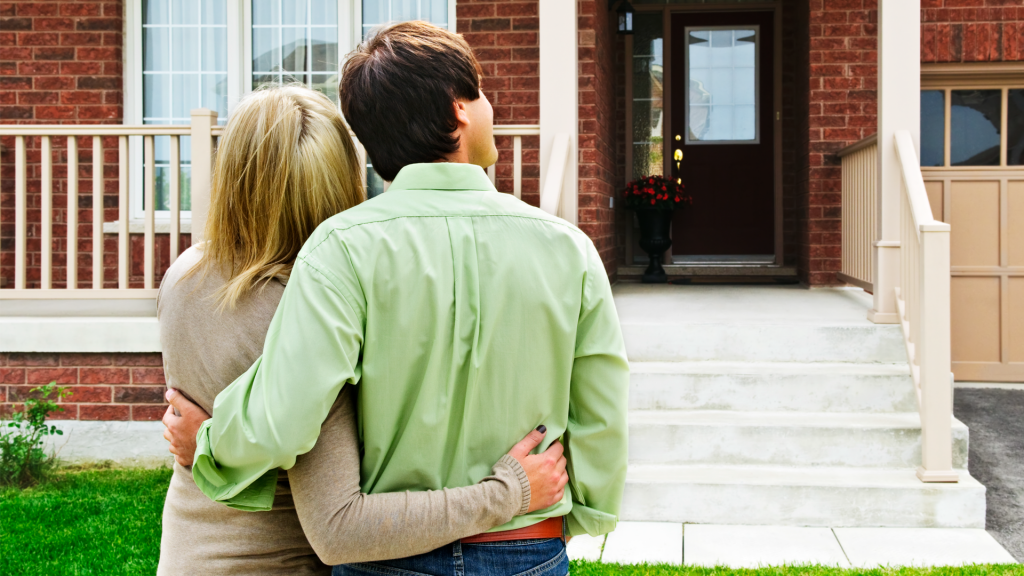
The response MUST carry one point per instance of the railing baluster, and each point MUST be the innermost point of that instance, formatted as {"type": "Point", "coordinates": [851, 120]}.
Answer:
{"type": "Point", "coordinates": [175, 198]}
{"type": "Point", "coordinates": [20, 228]}
{"type": "Point", "coordinates": [46, 213]}
{"type": "Point", "coordinates": [72, 217]}
{"type": "Point", "coordinates": [517, 166]}
{"type": "Point", "coordinates": [148, 200]}
{"type": "Point", "coordinates": [97, 213]}
{"type": "Point", "coordinates": [123, 214]}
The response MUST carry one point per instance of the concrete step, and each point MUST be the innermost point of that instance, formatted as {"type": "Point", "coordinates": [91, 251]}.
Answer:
{"type": "Point", "coordinates": [763, 342]}
{"type": "Point", "coordinates": [772, 386]}
{"type": "Point", "coordinates": [782, 438]}
{"type": "Point", "coordinates": [800, 496]}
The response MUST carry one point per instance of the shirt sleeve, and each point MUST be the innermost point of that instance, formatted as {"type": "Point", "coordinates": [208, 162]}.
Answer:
{"type": "Point", "coordinates": [273, 412]}
{"type": "Point", "coordinates": [596, 437]}
{"type": "Point", "coordinates": [344, 525]}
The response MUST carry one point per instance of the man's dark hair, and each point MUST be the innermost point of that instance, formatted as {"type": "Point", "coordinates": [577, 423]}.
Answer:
{"type": "Point", "coordinates": [397, 91]}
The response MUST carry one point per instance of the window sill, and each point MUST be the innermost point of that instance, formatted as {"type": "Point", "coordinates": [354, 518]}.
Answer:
{"type": "Point", "coordinates": [138, 226]}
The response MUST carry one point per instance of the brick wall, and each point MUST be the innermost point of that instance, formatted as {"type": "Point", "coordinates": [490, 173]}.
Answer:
{"type": "Point", "coordinates": [504, 36]}
{"type": "Point", "coordinates": [842, 94]}
{"type": "Point", "coordinates": [103, 386]}
{"type": "Point", "coordinates": [600, 173]}
{"type": "Point", "coordinates": [60, 63]}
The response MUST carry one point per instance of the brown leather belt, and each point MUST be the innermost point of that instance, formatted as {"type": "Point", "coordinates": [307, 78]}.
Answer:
{"type": "Point", "coordinates": [550, 528]}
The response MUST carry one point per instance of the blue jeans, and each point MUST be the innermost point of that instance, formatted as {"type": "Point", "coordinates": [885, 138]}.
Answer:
{"type": "Point", "coordinates": [510, 558]}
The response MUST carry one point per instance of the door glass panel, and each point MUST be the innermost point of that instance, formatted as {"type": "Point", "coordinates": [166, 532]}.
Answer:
{"type": "Point", "coordinates": [184, 66]}
{"type": "Point", "coordinates": [1015, 128]}
{"type": "Point", "coordinates": [933, 127]}
{"type": "Point", "coordinates": [975, 116]}
{"type": "Point", "coordinates": [721, 71]}
{"type": "Point", "coordinates": [648, 105]}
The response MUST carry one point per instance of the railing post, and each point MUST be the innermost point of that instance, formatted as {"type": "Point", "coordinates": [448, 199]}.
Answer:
{"type": "Point", "coordinates": [559, 101]}
{"type": "Point", "coordinates": [203, 121]}
{"type": "Point", "coordinates": [899, 108]}
{"type": "Point", "coordinates": [934, 335]}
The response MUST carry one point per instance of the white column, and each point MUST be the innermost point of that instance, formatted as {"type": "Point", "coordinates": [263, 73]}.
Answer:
{"type": "Point", "coordinates": [203, 121]}
{"type": "Point", "coordinates": [899, 108]}
{"type": "Point", "coordinates": [559, 88]}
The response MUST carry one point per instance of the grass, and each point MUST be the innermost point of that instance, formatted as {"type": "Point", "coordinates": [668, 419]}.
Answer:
{"type": "Point", "coordinates": [107, 521]}
{"type": "Point", "coordinates": [84, 522]}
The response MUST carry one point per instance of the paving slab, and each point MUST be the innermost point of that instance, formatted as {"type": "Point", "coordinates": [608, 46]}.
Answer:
{"type": "Point", "coordinates": [923, 547]}
{"type": "Point", "coordinates": [585, 547]}
{"type": "Point", "coordinates": [639, 542]}
{"type": "Point", "coordinates": [757, 546]}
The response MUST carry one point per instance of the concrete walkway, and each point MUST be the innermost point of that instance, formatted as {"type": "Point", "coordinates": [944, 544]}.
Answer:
{"type": "Point", "coordinates": [754, 546]}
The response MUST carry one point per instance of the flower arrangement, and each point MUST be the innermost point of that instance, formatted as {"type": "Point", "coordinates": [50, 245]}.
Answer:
{"type": "Point", "coordinates": [656, 192]}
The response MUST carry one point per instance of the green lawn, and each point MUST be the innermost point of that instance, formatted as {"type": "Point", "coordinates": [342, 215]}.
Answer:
{"type": "Point", "coordinates": [108, 522]}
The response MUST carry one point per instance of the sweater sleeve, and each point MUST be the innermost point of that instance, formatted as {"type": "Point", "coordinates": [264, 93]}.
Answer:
{"type": "Point", "coordinates": [344, 525]}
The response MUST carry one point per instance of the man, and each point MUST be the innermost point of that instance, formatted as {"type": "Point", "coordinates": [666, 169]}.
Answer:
{"type": "Point", "coordinates": [464, 316]}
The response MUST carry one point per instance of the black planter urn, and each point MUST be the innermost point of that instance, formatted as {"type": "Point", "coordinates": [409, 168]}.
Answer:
{"type": "Point", "coordinates": [654, 239]}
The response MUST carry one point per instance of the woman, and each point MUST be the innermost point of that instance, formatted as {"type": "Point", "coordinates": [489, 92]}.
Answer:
{"type": "Point", "coordinates": [285, 163]}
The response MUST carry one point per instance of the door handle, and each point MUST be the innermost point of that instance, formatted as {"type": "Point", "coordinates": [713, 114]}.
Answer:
{"type": "Point", "coordinates": [678, 157]}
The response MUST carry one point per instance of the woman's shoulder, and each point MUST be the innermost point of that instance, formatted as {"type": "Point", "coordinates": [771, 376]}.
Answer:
{"type": "Point", "coordinates": [186, 261]}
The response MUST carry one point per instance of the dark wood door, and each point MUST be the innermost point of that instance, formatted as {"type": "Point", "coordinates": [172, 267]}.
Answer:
{"type": "Point", "coordinates": [722, 139]}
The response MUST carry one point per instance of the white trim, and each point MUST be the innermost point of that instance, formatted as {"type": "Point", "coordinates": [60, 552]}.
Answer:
{"type": "Point", "coordinates": [559, 95]}
{"type": "Point", "coordinates": [138, 226]}
{"type": "Point", "coordinates": [452, 20]}
{"type": "Point", "coordinates": [85, 334]}
{"type": "Point", "coordinates": [991, 385]}
{"type": "Point", "coordinates": [239, 64]}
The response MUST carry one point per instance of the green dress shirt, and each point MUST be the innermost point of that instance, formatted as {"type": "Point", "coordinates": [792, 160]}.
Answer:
{"type": "Point", "coordinates": [467, 318]}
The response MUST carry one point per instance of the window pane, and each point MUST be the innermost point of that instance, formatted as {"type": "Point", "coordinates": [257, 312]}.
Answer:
{"type": "Point", "coordinates": [933, 127]}
{"type": "Point", "coordinates": [377, 12]}
{"type": "Point", "coordinates": [156, 101]}
{"type": "Point", "coordinates": [155, 11]}
{"type": "Point", "coordinates": [648, 73]}
{"type": "Point", "coordinates": [185, 96]}
{"type": "Point", "coordinates": [184, 11]}
{"type": "Point", "coordinates": [214, 49]}
{"type": "Point", "coordinates": [265, 12]}
{"type": "Point", "coordinates": [156, 48]}
{"type": "Point", "coordinates": [1015, 128]}
{"type": "Point", "coordinates": [722, 80]}
{"type": "Point", "coordinates": [303, 40]}
{"type": "Point", "coordinates": [213, 12]}
{"type": "Point", "coordinates": [975, 117]}
{"type": "Point", "coordinates": [185, 51]}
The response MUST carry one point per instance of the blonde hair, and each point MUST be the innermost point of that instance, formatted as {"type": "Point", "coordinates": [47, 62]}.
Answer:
{"type": "Point", "coordinates": [285, 163]}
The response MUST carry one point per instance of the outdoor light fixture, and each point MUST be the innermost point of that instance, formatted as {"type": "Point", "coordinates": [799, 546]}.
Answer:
{"type": "Point", "coordinates": [625, 16]}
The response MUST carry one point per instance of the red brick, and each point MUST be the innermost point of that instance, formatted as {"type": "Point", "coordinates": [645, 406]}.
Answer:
{"type": "Point", "coordinates": [104, 376]}
{"type": "Point", "coordinates": [105, 412]}
{"type": "Point", "coordinates": [32, 359]}
{"type": "Point", "coordinates": [140, 394]}
{"type": "Point", "coordinates": [88, 394]}
{"type": "Point", "coordinates": [15, 83]}
{"type": "Point", "coordinates": [47, 375]}
{"type": "Point", "coordinates": [148, 376]}
{"type": "Point", "coordinates": [148, 412]}
{"type": "Point", "coordinates": [55, 112]}
{"type": "Point", "coordinates": [53, 24]}
{"type": "Point", "coordinates": [92, 24]}
{"type": "Point", "coordinates": [12, 376]}
{"type": "Point", "coordinates": [55, 53]}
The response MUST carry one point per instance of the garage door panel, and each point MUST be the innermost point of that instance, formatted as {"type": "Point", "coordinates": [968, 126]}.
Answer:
{"type": "Point", "coordinates": [934, 189]}
{"type": "Point", "coordinates": [975, 319]}
{"type": "Point", "coordinates": [1015, 222]}
{"type": "Point", "coordinates": [974, 223]}
{"type": "Point", "coordinates": [1015, 318]}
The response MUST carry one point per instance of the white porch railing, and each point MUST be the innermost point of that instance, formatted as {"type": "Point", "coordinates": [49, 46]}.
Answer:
{"type": "Point", "coordinates": [203, 131]}
{"type": "Point", "coordinates": [923, 301]}
{"type": "Point", "coordinates": [860, 203]}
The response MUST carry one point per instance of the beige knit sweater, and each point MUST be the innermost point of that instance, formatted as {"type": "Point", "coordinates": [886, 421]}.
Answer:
{"type": "Point", "coordinates": [319, 517]}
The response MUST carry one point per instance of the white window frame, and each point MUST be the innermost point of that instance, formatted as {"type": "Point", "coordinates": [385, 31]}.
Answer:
{"type": "Point", "coordinates": [239, 39]}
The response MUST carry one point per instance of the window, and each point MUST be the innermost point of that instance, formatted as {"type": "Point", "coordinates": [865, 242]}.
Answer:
{"type": "Point", "coordinates": [184, 66]}
{"type": "Point", "coordinates": [972, 121]}
{"type": "Point", "coordinates": [721, 70]}
{"type": "Point", "coordinates": [647, 98]}
{"type": "Point", "coordinates": [186, 54]}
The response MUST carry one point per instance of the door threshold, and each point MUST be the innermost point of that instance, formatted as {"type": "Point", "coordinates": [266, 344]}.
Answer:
{"type": "Point", "coordinates": [720, 272]}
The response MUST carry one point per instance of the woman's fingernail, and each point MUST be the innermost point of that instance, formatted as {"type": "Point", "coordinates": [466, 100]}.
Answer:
{"type": "Point", "coordinates": [542, 428]}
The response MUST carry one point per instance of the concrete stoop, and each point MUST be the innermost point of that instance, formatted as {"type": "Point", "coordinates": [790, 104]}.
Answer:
{"type": "Point", "coordinates": [778, 406]}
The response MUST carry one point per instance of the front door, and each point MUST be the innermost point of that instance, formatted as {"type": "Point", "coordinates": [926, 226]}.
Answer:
{"type": "Point", "coordinates": [722, 139]}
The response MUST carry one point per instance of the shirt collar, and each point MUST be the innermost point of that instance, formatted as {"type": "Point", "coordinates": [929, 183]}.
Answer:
{"type": "Point", "coordinates": [442, 176]}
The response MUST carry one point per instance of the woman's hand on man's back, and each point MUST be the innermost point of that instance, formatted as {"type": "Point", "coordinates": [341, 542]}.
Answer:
{"type": "Point", "coordinates": [182, 426]}
{"type": "Point", "coordinates": [546, 471]}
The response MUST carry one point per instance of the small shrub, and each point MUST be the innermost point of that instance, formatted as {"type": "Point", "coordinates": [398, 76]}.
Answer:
{"type": "Point", "coordinates": [23, 459]}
